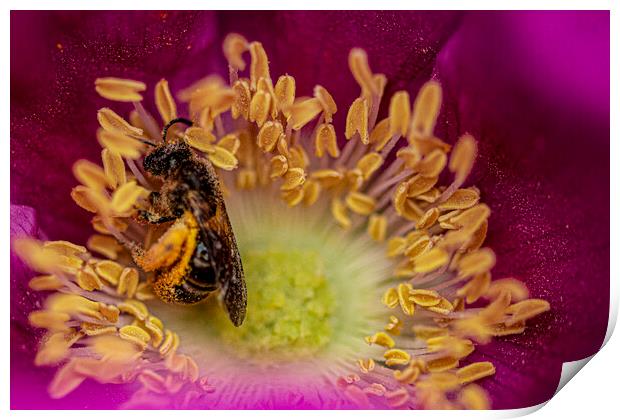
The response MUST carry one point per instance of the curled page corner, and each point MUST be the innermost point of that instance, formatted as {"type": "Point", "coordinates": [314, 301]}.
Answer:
{"type": "Point", "coordinates": [570, 369]}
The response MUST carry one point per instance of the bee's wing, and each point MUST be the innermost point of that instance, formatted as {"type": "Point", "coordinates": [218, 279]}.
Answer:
{"type": "Point", "coordinates": [218, 234]}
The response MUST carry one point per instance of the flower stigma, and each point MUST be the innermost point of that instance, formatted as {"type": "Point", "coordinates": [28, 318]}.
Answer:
{"type": "Point", "coordinates": [368, 277]}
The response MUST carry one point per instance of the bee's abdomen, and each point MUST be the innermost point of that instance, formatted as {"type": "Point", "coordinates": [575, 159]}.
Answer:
{"type": "Point", "coordinates": [200, 280]}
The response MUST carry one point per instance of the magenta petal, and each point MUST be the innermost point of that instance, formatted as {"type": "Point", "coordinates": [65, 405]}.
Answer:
{"type": "Point", "coordinates": [544, 171]}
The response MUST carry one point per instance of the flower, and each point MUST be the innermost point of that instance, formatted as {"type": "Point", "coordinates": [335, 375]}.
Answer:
{"type": "Point", "coordinates": [458, 101]}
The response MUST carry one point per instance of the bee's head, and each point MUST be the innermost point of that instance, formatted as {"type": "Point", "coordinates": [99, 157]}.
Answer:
{"type": "Point", "coordinates": [167, 159]}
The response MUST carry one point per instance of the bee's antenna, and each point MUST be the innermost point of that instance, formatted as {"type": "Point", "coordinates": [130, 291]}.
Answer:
{"type": "Point", "coordinates": [185, 121]}
{"type": "Point", "coordinates": [145, 141]}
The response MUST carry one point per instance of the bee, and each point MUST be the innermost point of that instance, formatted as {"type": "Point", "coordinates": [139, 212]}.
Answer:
{"type": "Point", "coordinates": [198, 254]}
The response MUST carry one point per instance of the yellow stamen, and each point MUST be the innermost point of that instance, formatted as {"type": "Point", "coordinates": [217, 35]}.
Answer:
{"type": "Point", "coordinates": [360, 203]}
{"type": "Point", "coordinates": [461, 199]}
{"type": "Point", "coordinates": [278, 166]}
{"type": "Point", "coordinates": [400, 112]}
{"type": "Point", "coordinates": [327, 102]}
{"type": "Point", "coordinates": [293, 178]}
{"type": "Point", "coordinates": [428, 219]}
{"type": "Point", "coordinates": [259, 66]}
{"type": "Point", "coordinates": [475, 288]}
{"type": "Point", "coordinates": [366, 365]}
{"type": "Point", "coordinates": [390, 298]}
{"type": "Point", "coordinates": [285, 94]}
{"type": "Point", "coordinates": [380, 134]}
{"type": "Point", "coordinates": [125, 197]}
{"type": "Point", "coordinates": [259, 107]}
{"type": "Point", "coordinates": [526, 309]}
{"type": "Point", "coordinates": [109, 270]}
{"type": "Point", "coordinates": [424, 297]}
{"type": "Point", "coordinates": [243, 98]}
{"type": "Point", "coordinates": [121, 90]}
{"type": "Point", "coordinates": [462, 157]}
{"type": "Point", "coordinates": [395, 357]}
{"type": "Point", "coordinates": [325, 140]}
{"type": "Point", "coordinates": [111, 121]}
{"type": "Point", "coordinates": [199, 138]}
{"type": "Point", "coordinates": [234, 46]}
{"type": "Point", "coordinates": [517, 290]}
{"type": "Point", "coordinates": [357, 120]}
{"type": "Point", "coordinates": [476, 262]}
{"type": "Point", "coordinates": [381, 339]}
{"type": "Point", "coordinates": [339, 211]}
{"type": "Point", "coordinates": [80, 195]}
{"type": "Point", "coordinates": [113, 167]}
{"type": "Point", "coordinates": [404, 291]}
{"type": "Point", "coordinates": [473, 397]}
{"type": "Point", "coordinates": [369, 164]}
{"type": "Point", "coordinates": [303, 111]}
{"type": "Point", "coordinates": [377, 227]}
{"type": "Point", "coordinates": [223, 158]}
{"type": "Point", "coordinates": [431, 261]}
{"type": "Point", "coordinates": [120, 143]}
{"type": "Point", "coordinates": [128, 282]}
{"type": "Point", "coordinates": [442, 364]}
{"type": "Point", "coordinates": [475, 371]}
{"type": "Point", "coordinates": [165, 103]}
{"type": "Point", "coordinates": [269, 135]}
{"type": "Point", "coordinates": [358, 64]}
{"type": "Point", "coordinates": [48, 282]}
{"type": "Point", "coordinates": [425, 110]}
{"type": "Point", "coordinates": [88, 280]}
{"type": "Point", "coordinates": [90, 174]}
{"type": "Point", "coordinates": [432, 164]}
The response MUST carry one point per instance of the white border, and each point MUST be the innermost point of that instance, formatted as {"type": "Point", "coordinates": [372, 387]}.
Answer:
{"type": "Point", "coordinates": [594, 395]}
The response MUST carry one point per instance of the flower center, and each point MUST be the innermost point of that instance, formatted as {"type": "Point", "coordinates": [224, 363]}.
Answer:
{"type": "Point", "coordinates": [290, 304]}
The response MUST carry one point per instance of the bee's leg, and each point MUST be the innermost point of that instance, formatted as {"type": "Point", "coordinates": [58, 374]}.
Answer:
{"type": "Point", "coordinates": [154, 218]}
{"type": "Point", "coordinates": [165, 251]}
